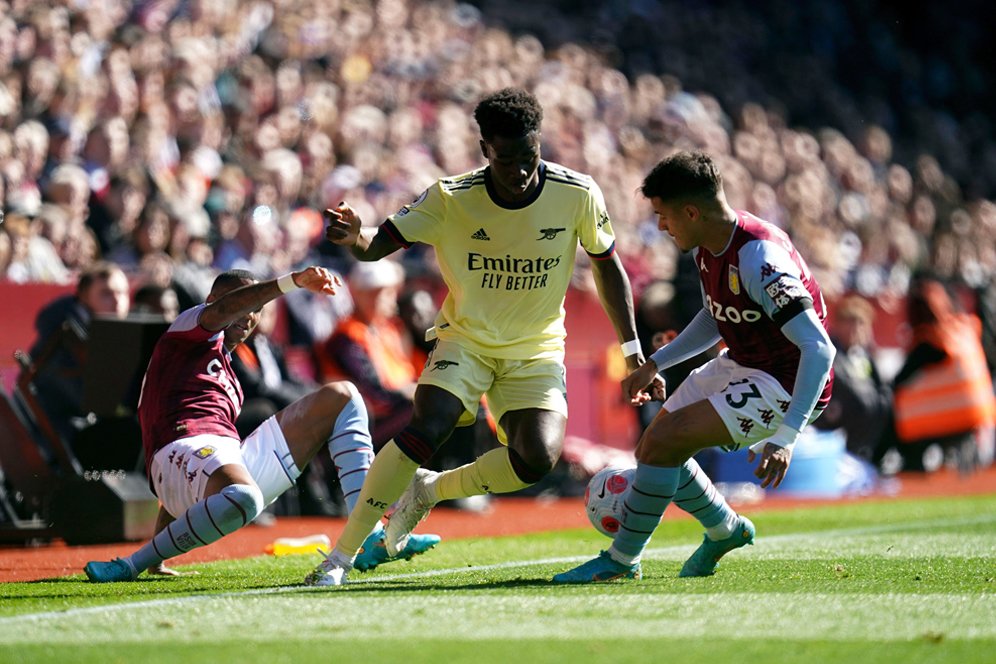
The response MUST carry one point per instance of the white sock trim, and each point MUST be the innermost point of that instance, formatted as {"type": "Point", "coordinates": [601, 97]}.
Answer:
{"type": "Point", "coordinates": [725, 528]}
{"type": "Point", "coordinates": [622, 558]}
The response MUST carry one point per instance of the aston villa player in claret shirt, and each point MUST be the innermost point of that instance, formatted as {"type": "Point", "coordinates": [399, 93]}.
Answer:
{"type": "Point", "coordinates": [774, 377]}
{"type": "Point", "coordinates": [208, 481]}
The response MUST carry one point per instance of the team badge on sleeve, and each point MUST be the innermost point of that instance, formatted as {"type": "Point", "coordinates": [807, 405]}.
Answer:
{"type": "Point", "coordinates": [405, 209]}
{"type": "Point", "coordinates": [785, 289]}
{"type": "Point", "coordinates": [205, 452]}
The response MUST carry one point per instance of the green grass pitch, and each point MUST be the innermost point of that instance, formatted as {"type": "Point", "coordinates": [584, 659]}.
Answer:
{"type": "Point", "coordinates": [908, 581]}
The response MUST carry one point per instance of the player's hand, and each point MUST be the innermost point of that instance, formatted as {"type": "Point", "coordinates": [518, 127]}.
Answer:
{"type": "Point", "coordinates": [644, 384]}
{"type": "Point", "coordinates": [343, 225]}
{"type": "Point", "coordinates": [773, 465]}
{"type": "Point", "coordinates": [318, 280]}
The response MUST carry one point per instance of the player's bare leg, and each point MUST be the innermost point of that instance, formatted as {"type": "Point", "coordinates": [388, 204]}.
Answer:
{"type": "Point", "coordinates": [670, 440]}
{"type": "Point", "coordinates": [231, 500]}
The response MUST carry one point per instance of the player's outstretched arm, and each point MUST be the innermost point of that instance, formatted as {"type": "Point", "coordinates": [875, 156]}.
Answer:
{"type": "Point", "coordinates": [816, 357]}
{"type": "Point", "coordinates": [345, 228]}
{"type": "Point", "coordinates": [616, 295]}
{"type": "Point", "coordinates": [236, 303]}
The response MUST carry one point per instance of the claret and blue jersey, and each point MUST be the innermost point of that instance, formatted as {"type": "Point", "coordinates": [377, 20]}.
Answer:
{"type": "Point", "coordinates": [752, 288]}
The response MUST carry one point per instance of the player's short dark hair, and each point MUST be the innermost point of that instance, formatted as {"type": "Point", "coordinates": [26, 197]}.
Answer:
{"type": "Point", "coordinates": [683, 175]}
{"type": "Point", "coordinates": [509, 113]}
{"type": "Point", "coordinates": [234, 278]}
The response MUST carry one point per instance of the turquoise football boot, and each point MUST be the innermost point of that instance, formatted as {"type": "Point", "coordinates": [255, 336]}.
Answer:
{"type": "Point", "coordinates": [706, 558]}
{"type": "Point", "coordinates": [374, 553]}
{"type": "Point", "coordinates": [109, 572]}
{"type": "Point", "coordinates": [599, 570]}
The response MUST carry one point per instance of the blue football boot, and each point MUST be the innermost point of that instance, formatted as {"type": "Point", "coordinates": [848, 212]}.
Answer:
{"type": "Point", "coordinates": [374, 553]}
{"type": "Point", "coordinates": [599, 570]}
{"type": "Point", "coordinates": [109, 572]}
{"type": "Point", "coordinates": [706, 558]}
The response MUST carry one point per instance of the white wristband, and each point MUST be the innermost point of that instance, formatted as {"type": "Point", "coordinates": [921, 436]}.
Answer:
{"type": "Point", "coordinates": [286, 283]}
{"type": "Point", "coordinates": [784, 436]}
{"type": "Point", "coordinates": [631, 347]}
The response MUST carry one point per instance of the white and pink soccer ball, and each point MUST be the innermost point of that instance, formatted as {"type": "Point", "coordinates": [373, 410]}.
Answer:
{"type": "Point", "coordinates": [603, 499]}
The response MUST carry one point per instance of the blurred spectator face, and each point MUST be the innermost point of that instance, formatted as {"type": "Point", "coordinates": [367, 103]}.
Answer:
{"type": "Point", "coordinates": [923, 215]}
{"type": "Point", "coordinates": [320, 159]}
{"type": "Point", "coordinates": [152, 234]}
{"type": "Point", "coordinates": [156, 299]}
{"type": "Point", "coordinates": [157, 269]}
{"type": "Point", "coordinates": [6, 252]}
{"type": "Point", "coordinates": [375, 287]}
{"type": "Point", "coordinates": [267, 318]}
{"type": "Point", "coordinates": [19, 229]}
{"type": "Point", "coordinates": [900, 184]}
{"type": "Point", "coordinates": [418, 311]}
{"type": "Point", "coordinates": [8, 39]}
{"type": "Point", "coordinates": [42, 82]}
{"type": "Point", "coordinates": [289, 84]}
{"type": "Point", "coordinates": [284, 168]}
{"type": "Point", "coordinates": [70, 188]}
{"type": "Point", "coordinates": [107, 296]}
{"type": "Point", "coordinates": [54, 223]}
{"type": "Point", "coordinates": [31, 144]}
{"type": "Point", "coordinates": [852, 322]}
{"type": "Point", "coordinates": [199, 252]}
{"type": "Point", "coordinates": [877, 145]}
{"type": "Point", "coordinates": [288, 125]}
{"type": "Point", "coordinates": [79, 249]}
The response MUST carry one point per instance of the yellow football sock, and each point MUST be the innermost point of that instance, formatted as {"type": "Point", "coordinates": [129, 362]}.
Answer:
{"type": "Point", "coordinates": [388, 477]}
{"type": "Point", "coordinates": [490, 473]}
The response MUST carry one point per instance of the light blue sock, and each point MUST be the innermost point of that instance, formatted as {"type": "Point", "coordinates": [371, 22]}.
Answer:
{"type": "Point", "coordinates": [351, 447]}
{"type": "Point", "coordinates": [652, 490]}
{"type": "Point", "coordinates": [698, 496]}
{"type": "Point", "coordinates": [206, 521]}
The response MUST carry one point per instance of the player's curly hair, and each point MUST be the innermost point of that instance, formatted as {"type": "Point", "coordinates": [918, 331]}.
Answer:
{"type": "Point", "coordinates": [683, 175]}
{"type": "Point", "coordinates": [509, 113]}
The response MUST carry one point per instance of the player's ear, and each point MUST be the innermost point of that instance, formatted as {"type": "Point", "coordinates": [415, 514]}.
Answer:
{"type": "Point", "coordinates": [692, 211]}
{"type": "Point", "coordinates": [484, 149]}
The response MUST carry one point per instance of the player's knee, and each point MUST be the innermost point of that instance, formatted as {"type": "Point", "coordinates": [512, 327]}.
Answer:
{"type": "Point", "coordinates": [433, 431]}
{"type": "Point", "coordinates": [533, 464]}
{"type": "Point", "coordinates": [334, 396]}
{"type": "Point", "coordinates": [244, 503]}
{"type": "Point", "coordinates": [662, 452]}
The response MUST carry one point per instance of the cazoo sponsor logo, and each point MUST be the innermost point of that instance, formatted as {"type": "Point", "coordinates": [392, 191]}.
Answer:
{"type": "Point", "coordinates": [731, 314]}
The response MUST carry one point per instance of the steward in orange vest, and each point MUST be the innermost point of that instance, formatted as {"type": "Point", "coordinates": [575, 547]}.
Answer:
{"type": "Point", "coordinates": [944, 389]}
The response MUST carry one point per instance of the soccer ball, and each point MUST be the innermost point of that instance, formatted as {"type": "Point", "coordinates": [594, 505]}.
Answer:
{"type": "Point", "coordinates": [603, 499]}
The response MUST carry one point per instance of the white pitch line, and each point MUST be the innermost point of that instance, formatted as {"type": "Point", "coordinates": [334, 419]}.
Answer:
{"type": "Point", "coordinates": [661, 552]}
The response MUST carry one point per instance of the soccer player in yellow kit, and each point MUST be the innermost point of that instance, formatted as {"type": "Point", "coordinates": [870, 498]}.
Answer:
{"type": "Point", "coordinates": [505, 237]}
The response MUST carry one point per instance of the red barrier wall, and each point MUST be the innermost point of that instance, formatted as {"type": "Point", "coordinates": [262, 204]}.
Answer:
{"type": "Point", "coordinates": [597, 409]}
{"type": "Point", "coordinates": [19, 304]}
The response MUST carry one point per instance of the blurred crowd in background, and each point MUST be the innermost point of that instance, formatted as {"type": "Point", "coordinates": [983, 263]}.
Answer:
{"type": "Point", "coordinates": [179, 138]}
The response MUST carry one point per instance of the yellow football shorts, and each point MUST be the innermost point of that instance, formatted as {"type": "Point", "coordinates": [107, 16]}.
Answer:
{"type": "Point", "coordinates": [508, 384]}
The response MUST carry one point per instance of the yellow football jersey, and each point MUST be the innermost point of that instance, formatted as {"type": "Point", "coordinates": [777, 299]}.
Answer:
{"type": "Point", "coordinates": [507, 267]}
